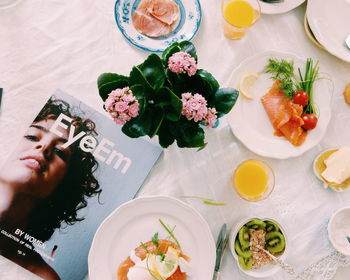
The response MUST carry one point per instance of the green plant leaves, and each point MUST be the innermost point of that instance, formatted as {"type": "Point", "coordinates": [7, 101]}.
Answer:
{"type": "Point", "coordinates": [170, 103]}
{"type": "Point", "coordinates": [108, 82]}
{"type": "Point", "coordinates": [184, 46]}
{"type": "Point", "coordinates": [225, 99]}
{"type": "Point", "coordinates": [158, 91]}
{"type": "Point", "coordinates": [153, 71]}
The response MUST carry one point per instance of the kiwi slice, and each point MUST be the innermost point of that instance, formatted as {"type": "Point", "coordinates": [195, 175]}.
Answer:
{"type": "Point", "coordinates": [241, 252]}
{"type": "Point", "coordinates": [256, 224]}
{"type": "Point", "coordinates": [244, 237]}
{"type": "Point", "coordinates": [271, 226]}
{"type": "Point", "coordinates": [246, 263]}
{"type": "Point", "coordinates": [275, 242]}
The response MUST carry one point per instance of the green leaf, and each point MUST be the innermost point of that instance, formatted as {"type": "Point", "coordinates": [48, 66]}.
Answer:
{"type": "Point", "coordinates": [166, 138]}
{"type": "Point", "coordinates": [139, 92]}
{"type": "Point", "coordinates": [191, 137]}
{"type": "Point", "coordinates": [184, 46]}
{"type": "Point", "coordinates": [169, 51]}
{"type": "Point", "coordinates": [170, 103]}
{"type": "Point", "coordinates": [155, 239]}
{"type": "Point", "coordinates": [157, 119]}
{"type": "Point", "coordinates": [137, 78]}
{"type": "Point", "coordinates": [187, 46]}
{"type": "Point", "coordinates": [153, 70]}
{"type": "Point", "coordinates": [108, 82]}
{"type": "Point", "coordinates": [209, 86]}
{"type": "Point", "coordinates": [225, 99]}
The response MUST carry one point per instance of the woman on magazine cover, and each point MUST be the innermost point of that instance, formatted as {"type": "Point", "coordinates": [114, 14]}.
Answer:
{"type": "Point", "coordinates": [42, 186]}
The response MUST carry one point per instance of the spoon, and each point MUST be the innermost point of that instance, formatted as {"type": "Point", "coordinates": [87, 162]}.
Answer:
{"type": "Point", "coordinates": [281, 263]}
{"type": "Point", "coordinates": [347, 41]}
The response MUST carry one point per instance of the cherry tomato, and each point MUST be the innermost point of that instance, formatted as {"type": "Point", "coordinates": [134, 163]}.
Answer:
{"type": "Point", "coordinates": [310, 121]}
{"type": "Point", "coordinates": [301, 98]}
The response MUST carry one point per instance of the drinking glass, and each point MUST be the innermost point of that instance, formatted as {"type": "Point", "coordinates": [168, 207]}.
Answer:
{"type": "Point", "coordinates": [253, 180]}
{"type": "Point", "coordinates": [238, 16]}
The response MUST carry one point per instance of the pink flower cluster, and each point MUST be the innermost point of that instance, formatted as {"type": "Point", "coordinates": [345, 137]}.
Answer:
{"type": "Point", "coordinates": [181, 63]}
{"type": "Point", "coordinates": [122, 105]}
{"type": "Point", "coordinates": [194, 107]}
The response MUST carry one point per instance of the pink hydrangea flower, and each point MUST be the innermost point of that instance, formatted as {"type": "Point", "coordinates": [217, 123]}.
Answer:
{"type": "Point", "coordinates": [182, 63]}
{"type": "Point", "coordinates": [194, 107]}
{"type": "Point", "coordinates": [122, 105]}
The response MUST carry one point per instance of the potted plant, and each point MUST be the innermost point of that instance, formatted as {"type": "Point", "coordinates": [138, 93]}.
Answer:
{"type": "Point", "coordinates": [167, 96]}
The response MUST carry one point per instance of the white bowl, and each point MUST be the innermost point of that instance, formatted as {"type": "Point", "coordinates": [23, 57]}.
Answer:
{"type": "Point", "coordinates": [266, 270]}
{"type": "Point", "coordinates": [338, 229]}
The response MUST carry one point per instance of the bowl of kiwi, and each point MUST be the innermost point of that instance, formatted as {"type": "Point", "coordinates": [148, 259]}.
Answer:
{"type": "Point", "coordinates": [246, 240]}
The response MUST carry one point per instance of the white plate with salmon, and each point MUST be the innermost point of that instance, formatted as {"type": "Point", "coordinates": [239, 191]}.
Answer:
{"type": "Point", "coordinates": [153, 25]}
{"type": "Point", "coordinates": [155, 237]}
{"type": "Point", "coordinates": [284, 105]}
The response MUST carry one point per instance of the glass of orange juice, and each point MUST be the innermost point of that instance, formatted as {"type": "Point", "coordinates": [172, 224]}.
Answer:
{"type": "Point", "coordinates": [253, 180]}
{"type": "Point", "coordinates": [238, 16]}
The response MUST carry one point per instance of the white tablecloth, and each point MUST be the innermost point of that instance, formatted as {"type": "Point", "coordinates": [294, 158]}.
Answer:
{"type": "Point", "coordinates": [46, 45]}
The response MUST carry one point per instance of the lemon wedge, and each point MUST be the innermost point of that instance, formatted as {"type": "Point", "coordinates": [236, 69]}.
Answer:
{"type": "Point", "coordinates": [167, 267]}
{"type": "Point", "coordinates": [246, 82]}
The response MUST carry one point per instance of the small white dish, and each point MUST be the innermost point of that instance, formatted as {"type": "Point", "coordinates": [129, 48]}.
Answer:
{"type": "Point", "coordinates": [190, 19]}
{"type": "Point", "coordinates": [249, 121]}
{"type": "Point", "coordinates": [338, 230]}
{"type": "Point", "coordinates": [330, 24]}
{"type": "Point", "coordinates": [319, 169]}
{"type": "Point", "coordinates": [267, 270]}
{"type": "Point", "coordinates": [137, 221]}
{"type": "Point", "coordinates": [279, 8]}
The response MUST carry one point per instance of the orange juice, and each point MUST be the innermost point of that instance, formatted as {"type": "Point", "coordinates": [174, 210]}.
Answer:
{"type": "Point", "coordinates": [252, 179]}
{"type": "Point", "coordinates": [238, 15]}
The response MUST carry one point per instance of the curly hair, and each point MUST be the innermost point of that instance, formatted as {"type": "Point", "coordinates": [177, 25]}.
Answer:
{"type": "Point", "coordinates": [78, 184]}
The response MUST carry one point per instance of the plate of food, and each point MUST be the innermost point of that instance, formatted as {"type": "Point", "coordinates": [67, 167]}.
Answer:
{"type": "Point", "coordinates": [155, 237]}
{"type": "Point", "coordinates": [332, 167]}
{"type": "Point", "coordinates": [284, 105]}
{"type": "Point", "coordinates": [278, 6]}
{"type": "Point", "coordinates": [329, 23]}
{"type": "Point", "coordinates": [248, 240]}
{"type": "Point", "coordinates": [153, 25]}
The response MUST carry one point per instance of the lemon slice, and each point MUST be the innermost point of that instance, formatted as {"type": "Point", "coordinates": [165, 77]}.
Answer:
{"type": "Point", "coordinates": [246, 82]}
{"type": "Point", "coordinates": [167, 267]}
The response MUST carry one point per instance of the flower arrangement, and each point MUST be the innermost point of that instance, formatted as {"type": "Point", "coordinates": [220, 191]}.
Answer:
{"type": "Point", "coordinates": [167, 96]}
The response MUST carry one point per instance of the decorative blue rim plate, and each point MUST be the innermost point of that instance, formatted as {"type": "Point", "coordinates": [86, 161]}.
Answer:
{"type": "Point", "coordinates": [190, 20]}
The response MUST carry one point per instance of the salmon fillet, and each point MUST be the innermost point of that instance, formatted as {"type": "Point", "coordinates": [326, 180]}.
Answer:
{"type": "Point", "coordinates": [155, 18]}
{"type": "Point", "coordinates": [285, 116]}
{"type": "Point", "coordinates": [141, 252]}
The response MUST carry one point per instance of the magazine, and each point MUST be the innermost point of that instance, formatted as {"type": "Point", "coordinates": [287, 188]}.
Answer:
{"type": "Point", "coordinates": [71, 169]}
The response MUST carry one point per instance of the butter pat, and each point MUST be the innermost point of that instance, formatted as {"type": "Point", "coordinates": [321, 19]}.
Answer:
{"type": "Point", "coordinates": [338, 166]}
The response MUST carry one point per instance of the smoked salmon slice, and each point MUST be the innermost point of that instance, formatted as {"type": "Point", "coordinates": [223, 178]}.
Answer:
{"type": "Point", "coordinates": [285, 116]}
{"type": "Point", "coordinates": [141, 252]}
{"type": "Point", "coordinates": [155, 18]}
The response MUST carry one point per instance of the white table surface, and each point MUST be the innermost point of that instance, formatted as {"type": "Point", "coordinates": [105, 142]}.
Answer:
{"type": "Point", "coordinates": [45, 45]}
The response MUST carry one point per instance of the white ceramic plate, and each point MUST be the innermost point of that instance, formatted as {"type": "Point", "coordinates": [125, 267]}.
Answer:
{"type": "Point", "coordinates": [267, 270]}
{"type": "Point", "coordinates": [250, 123]}
{"type": "Point", "coordinates": [330, 23]}
{"type": "Point", "coordinates": [137, 221]}
{"type": "Point", "coordinates": [279, 8]}
{"type": "Point", "coordinates": [190, 19]}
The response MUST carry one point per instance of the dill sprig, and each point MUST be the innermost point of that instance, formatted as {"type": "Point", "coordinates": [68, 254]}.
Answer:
{"type": "Point", "coordinates": [283, 71]}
